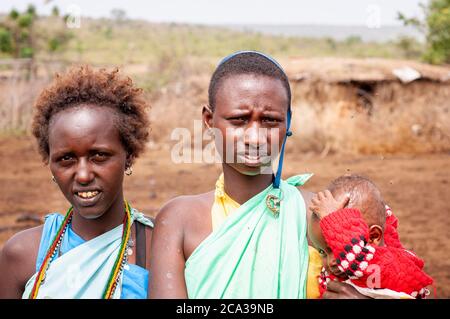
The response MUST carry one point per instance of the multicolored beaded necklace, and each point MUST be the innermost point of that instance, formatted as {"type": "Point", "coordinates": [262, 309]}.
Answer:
{"type": "Point", "coordinates": [118, 265]}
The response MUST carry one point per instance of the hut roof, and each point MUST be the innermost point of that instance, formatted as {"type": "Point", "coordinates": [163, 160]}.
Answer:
{"type": "Point", "coordinates": [341, 70]}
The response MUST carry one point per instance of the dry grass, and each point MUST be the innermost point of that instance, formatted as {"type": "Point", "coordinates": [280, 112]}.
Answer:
{"type": "Point", "coordinates": [19, 87]}
{"type": "Point", "coordinates": [16, 99]}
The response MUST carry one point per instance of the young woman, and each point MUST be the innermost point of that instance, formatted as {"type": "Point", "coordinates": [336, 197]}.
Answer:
{"type": "Point", "coordinates": [247, 238]}
{"type": "Point", "coordinates": [90, 127]}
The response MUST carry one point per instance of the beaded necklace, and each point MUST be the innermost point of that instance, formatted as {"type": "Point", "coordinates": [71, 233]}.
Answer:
{"type": "Point", "coordinates": [56, 244]}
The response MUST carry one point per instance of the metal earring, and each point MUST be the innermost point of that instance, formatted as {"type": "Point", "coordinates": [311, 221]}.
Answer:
{"type": "Point", "coordinates": [129, 170]}
{"type": "Point", "coordinates": [53, 179]}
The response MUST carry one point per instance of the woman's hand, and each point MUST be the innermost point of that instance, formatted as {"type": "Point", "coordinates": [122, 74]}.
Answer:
{"type": "Point", "coordinates": [324, 203]}
{"type": "Point", "coordinates": [341, 290]}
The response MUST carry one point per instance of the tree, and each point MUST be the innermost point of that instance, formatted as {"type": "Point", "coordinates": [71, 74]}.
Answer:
{"type": "Point", "coordinates": [409, 46]}
{"type": "Point", "coordinates": [118, 15]}
{"type": "Point", "coordinates": [55, 11]}
{"type": "Point", "coordinates": [5, 41]}
{"type": "Point", "coordinates": [19, 38]}
{"type": "Point", "coordinates": [353, 39]}
{"type": "Point", "coordinates": [436, 28]}
{"type": "Point", "coordinates": [16, 33]}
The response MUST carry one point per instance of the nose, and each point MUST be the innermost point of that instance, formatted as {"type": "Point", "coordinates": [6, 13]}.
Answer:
{"type": "Point", "coordinates": [332, 266]}
{"type": "Point", "coordinates": [255, 136]}
{"type": "Point", "coordinates": [83, 174]}
{"type": "Point", "coordinates": [325, 262]}
{"type": "Point", "coordinates": [331, 262]}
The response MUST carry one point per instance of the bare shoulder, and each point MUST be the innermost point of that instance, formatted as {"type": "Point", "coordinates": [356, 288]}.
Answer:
{"type": "Point", "coordinates": [185, 221]}
{"type": "Point", "coordinates": [184, 208]}
{"type": "Point", "coordinates": [23, 244]}
{"type": "Point", "coordinates": [20, 252]}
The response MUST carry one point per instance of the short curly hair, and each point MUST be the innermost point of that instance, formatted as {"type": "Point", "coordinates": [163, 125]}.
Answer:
{"type": "Point", "coordinates": [246, 63]}
{"type": "Point", "coordinates": [84, 85]}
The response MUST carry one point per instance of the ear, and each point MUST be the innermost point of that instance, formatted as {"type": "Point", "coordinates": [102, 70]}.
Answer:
{"type": "Point", "coordinates": [207, 116]}
{"type": "Point", "coordinates": [375, 234]}
{"type": "Point", "coordinates": [129, 160]}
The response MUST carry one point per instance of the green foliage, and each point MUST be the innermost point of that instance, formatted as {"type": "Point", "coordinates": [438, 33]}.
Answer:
{"type": "Point", "coordinates": [25, 20]}
{"type": "Point", "coordinates": [436, 28]}
{"type": "Point", "coordinates": [409, 21]}
{"type": "Point", "coordinates": [24, 35]}
{"type": "Point", "coordinates": [108, 32]}
{"type": "Point", "coordinates": [54, 44]}
{"type": "Point", "coordinates": [31, 10]}
{"type": "Point", "coordinates": [26, 52]}
{"type": "Point", "coordinates": [409, 46]}
{"type": "Point", "coordinates": [17, 39]}
{"type": "Point", "coordinates": [331, 43]}
{"type": "Point", "coordinates": [21, 37]}
{"type": "Point", "coordinates": [55, 11]}
{"type": "Point", "coordinates": [5, 40]}
{"type": "Point", "coordinates": [438, 37]}
{"type": "Point", "coordinates": [103, 41]}
{"type": "Point", "coordinates": [14, 14]}
{"type": "Point", "coordinates": [164, 48]}
{"type": "Point", "coordinates": [353, 39]}
{"type": "Point", "coordinates": [58, 41]}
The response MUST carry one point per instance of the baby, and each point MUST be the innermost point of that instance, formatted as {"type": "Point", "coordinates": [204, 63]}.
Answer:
{"type": "Point", "coordinates": [355, 233]}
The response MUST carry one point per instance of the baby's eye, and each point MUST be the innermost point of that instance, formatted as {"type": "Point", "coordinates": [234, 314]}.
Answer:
{"type": "Point", "coordinates": [322, 252]}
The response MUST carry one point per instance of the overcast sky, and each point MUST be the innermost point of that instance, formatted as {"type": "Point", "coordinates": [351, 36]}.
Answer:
{"type": "Point", "coordinates": [323, 12]}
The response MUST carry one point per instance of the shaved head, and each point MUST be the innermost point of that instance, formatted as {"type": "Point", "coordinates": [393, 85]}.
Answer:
{"type": "Point", "coordinates": [364, 195]}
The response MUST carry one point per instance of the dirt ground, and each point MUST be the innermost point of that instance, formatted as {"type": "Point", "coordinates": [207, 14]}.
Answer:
{"type": "Point", "coordinates": [416, 187]}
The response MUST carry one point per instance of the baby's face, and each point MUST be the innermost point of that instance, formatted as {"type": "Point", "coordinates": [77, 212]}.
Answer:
{"type": "Point", "coordinates": [319, 243]}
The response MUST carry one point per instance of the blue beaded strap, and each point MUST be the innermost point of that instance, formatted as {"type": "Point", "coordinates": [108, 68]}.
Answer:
{"type": "Point", "coordinates": [268, 57]}
{"type": "Point", "coordinates": [277, 179]}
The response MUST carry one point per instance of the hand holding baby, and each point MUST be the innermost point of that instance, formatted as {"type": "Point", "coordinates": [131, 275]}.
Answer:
{"type": "Point", "coordinates": [324, 203]}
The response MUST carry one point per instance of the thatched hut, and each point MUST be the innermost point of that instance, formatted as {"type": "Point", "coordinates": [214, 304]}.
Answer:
{"type": "Point", "coordinates": [372, 106]}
